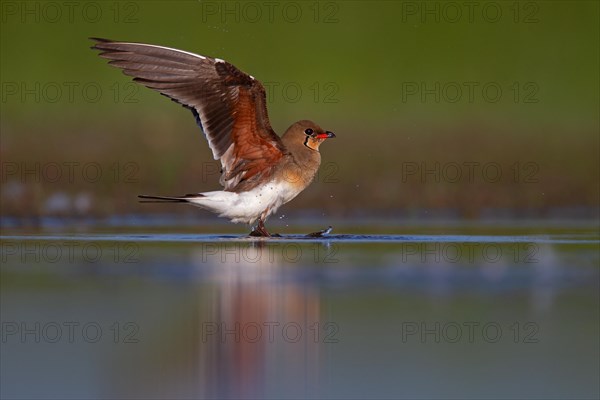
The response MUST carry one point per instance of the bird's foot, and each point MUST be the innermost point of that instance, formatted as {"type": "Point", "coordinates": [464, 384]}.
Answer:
{"type": "Point", "coordinates": [264, 233]}
{"type": "Point", "coordinates": [258, 232]}
{"type": "Point", "coordinates": [322, 233]}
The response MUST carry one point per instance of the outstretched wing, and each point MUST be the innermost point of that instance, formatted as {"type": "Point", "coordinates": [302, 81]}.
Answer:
{"type": "Point", "coordinates": [229, 105]}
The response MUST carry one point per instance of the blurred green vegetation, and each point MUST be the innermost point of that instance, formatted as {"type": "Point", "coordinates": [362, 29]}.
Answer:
{"type": "Point", "coordinates": [383, 75]}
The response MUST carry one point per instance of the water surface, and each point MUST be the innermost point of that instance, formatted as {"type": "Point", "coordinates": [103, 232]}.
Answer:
{"type": "Point", "coordinates": [462, 311]}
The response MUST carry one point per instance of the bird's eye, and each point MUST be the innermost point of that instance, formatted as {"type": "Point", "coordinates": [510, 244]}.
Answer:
{"type": "Point", "coordinates": [308, 131]}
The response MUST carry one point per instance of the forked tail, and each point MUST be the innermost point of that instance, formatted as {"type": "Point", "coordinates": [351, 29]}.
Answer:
{"type": "Point", "coordinates": [225, 204]}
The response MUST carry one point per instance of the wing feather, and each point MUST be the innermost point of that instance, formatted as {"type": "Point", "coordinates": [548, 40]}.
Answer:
{"type": "Point", "coordinates": [229, 105]}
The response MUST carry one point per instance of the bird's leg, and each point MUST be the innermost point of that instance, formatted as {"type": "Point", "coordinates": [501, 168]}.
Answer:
{"type": "Point", "coordinates": [322, 233]}
{"type": "Point", "coordinates": [260, 230]}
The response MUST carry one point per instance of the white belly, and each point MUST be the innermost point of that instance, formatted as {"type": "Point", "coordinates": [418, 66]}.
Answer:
{"type": "Point", "coordinates": [248, 206]}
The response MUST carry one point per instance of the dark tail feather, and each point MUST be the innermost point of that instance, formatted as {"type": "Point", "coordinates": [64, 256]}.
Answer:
{"type": "Point", "coordinates": [166, 199]}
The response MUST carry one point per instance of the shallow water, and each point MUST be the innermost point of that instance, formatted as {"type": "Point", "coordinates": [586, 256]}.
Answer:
{"type": "Point", "coordinates": [456, 312]}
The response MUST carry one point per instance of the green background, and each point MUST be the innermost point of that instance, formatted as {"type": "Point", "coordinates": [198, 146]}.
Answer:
{"type": "Point", "coordinates": [353, 62]}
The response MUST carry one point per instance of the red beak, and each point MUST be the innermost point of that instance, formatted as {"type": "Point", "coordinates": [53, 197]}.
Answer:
{"type": "Point", "coordinates": [326, 135]}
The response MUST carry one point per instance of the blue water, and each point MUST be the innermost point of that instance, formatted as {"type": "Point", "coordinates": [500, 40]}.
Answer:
{"type": "Point", "coordinates": [473, 312]}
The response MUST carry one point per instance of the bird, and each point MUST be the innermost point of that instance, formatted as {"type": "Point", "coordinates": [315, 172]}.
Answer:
{"type": "Point", "coordinates": [260, 170]}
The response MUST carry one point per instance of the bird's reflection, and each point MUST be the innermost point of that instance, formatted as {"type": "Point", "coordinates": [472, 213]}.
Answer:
{"type": "Point", "coordinates": [263, 332]}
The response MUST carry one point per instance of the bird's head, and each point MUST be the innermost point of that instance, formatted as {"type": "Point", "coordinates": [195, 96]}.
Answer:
{"type": "Point", "coordinates": [306, 133]}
